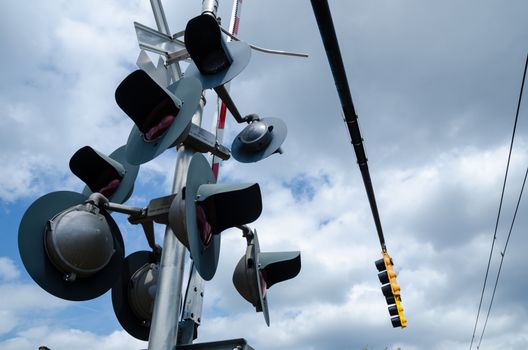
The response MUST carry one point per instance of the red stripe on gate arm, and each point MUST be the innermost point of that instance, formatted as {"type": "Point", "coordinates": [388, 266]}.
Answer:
{"type": "Point", "coordinates": [222, 117]}
{"type": "Point", "coordinates": [216, 167]}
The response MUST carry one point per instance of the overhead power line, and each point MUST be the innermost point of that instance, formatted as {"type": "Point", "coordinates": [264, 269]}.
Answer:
{"type": "Point", "coordinates": [500, 207]}
{"type": "Point", "coordinates": [503, 253]}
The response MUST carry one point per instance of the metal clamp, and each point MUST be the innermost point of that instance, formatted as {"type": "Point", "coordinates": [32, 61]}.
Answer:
{"type": "Point", "coordinates": [203, 141]}
{"type": "Point", "coordinates": [156, 211]}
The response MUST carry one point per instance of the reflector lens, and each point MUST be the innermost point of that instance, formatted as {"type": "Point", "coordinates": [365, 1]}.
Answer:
{"type": "Point", "coordinates": [99, 175]}
{"type": "Point", "coordinates": [110, 189]}
{"type": "Point", "coordinates": [158, 119]}
{"type": "Point", "coordinates": [380, 264]}
{"type": "Point", "coordinates": [396, 322]}
{"type": "Point", "coordinates": [158, 129]}
{"type": "Point", "coordinates": [263, 285]}
{"type": "Point", "coordinates": [387, 290]}
{"type": "Point", "coordinates": [205, 229]}
{"type": "Point", "coordinates": [393, 310]}
{"type": "Point", "coordinates": [383, 277]}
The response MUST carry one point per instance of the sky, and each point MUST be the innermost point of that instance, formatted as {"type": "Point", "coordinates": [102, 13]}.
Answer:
{"type": "Point", "coordinates": [435, 86]}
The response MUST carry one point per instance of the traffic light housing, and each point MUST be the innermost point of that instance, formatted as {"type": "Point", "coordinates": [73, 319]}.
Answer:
{"type": "Point", "coordinates": [256, 272]}
{"type": "Point", "coordinates": [215, 62]}
{"type": "Point", "coordinates": [162, 116]}
{"type": "Point", "coordinates": [70, 248]}
{"type": "Point", "coordinates": [203, 209]}
{"type": "Point", "coordinates": [134, 293]}
{"type": "Point", "coordinates": [112, 175]}
{"type": "Point", "coordinates": [259, 139]}
{"type": "Point", "coordinates": [391, 290]}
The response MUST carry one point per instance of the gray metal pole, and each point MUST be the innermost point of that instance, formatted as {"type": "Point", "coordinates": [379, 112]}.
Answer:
{"type": "Point", "coordinates": [210, 6]}
{"type": "Point", "coordinates": [164, 326]}
{"type": "Point", "coordinates": [165, 315]}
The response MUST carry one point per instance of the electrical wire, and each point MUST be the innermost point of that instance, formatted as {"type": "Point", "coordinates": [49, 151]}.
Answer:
{"type": "Point", "coordinates": [500, 203]}
{"type": "Point", "coordinates": [503, 253]}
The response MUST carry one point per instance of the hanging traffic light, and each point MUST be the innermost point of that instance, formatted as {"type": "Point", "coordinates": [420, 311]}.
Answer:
{"type": "Point", "coordinates": [112, 175]}
{"type": "Point", "coordinates": [70, 247]}
{"type": "Point", "coordinates": [134, 293]}
{"type": "Point", "coordinates": [256, 272]}
{"type": "Point", "coordinates": [391, 290]}
{"type": "Point", "coordinates": [215, 62]}
{"type": "Point", "coordinates": [203, 209]}
{"type": "Point", "coordinates": [162, 116]}
{"type": "Point", "coordinates": [259, 139]}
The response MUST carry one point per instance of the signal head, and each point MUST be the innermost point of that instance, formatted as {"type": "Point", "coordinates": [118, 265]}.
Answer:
{"type": "Point", "coordinates": [162, 116]}
{"type": "Point", "coordinates": [112, 175]}
{"type": "Point", "coordinates": [215, 62]}
{"type": "Point", "coordinates": [391, 290]}
{"type": "Point", "coordinates": [134, 293]}
{"type": "Point", "coordinates": [203, 209]}
{"type": "Point", "coordinates": [256, 272]}
{"type": "Point", "coordinates": [259, 139]}
{"type": "Point", "coordinates": [70, 248]}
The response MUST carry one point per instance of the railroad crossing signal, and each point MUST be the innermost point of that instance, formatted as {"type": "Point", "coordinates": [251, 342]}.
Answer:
{"type": "Point", "coordinates": [112, 175]}
{"type": "Point", "coordinates": [215, 62]}
{"type": "Point", "coordinates": [391, 290]}
{"type": "Point", "coordinates": [134, 293]}
{"type": "Point", "coordinates": [256, 272]}
{"type": "Point", "coordinates": [203, 209]}
{"type": "Point", "coordinates": [259, 139]}
{"type": "Point", "coordinates": [70, 247]}
{"type": "Point", "coordinates": [162, 116]}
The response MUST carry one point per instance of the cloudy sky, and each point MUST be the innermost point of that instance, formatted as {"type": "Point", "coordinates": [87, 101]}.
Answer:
{"type": "Point", "coordinates": [435, 85]}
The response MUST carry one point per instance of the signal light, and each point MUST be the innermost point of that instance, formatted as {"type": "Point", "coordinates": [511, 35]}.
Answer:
{"type": "Point", "coordinates": [215, 62]}
{"type": "Point", "coordinates": [70, 248]}
{"type": "Point", "coordinates": [134, 293]}
{"type": "Point", "coordinates": [162, 116]}
{"type": "Point", "coordinates": [203, 209]}
{"type": "Point", "coordinates": [391, 290]}
{"type": "Point", "coordinates": [205, 44]}
{"type": "Point", "coordinates": [397, 310]}
{"type": "Point", "coordinates": [259, 139]}
{"type": "Point", "coordinates": [256, 272]}
{"type": "Point", "coordinates": [112, 175]}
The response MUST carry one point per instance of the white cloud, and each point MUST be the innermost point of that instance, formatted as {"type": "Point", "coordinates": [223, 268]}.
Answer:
{"type": "Point", "coordinates": [8, 270]}
{"type": "Point", "coordinates": [67, 339]}
{"type": "Point", "coordinates": [21, 302]}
